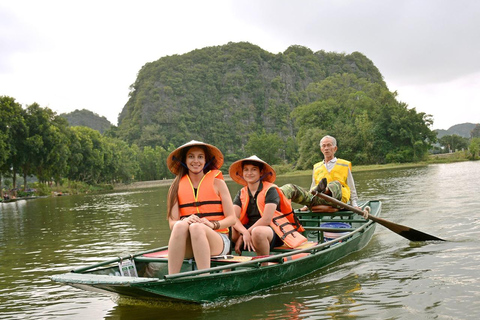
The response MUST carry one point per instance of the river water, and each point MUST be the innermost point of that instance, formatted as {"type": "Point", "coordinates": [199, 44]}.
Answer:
{"type": "Point", "coordinates": [391, 278]}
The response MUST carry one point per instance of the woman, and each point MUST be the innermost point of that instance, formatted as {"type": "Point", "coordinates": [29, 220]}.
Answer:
{"type": "Point", "coordinates": [265, 216]}
{"type": "Point", "coordinates": [200, 208]}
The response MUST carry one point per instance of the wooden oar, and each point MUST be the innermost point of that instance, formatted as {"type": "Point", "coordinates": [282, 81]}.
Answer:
{"type": "Point", "coordinates": [406, 232]}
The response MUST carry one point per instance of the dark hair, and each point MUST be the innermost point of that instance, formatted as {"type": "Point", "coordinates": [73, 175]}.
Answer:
{"type": "Point", "coordinates": [257, 164]}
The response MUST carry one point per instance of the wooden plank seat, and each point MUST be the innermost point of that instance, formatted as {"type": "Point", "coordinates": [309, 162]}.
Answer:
{"type": "Point", "coordinates": [340, 213]}
{"type": "Point", "coordinates": [325, 229]}
{"type": "Point", "coordinates": [305, 245]}
{"type": "Point", "coordinates": [162, 256]}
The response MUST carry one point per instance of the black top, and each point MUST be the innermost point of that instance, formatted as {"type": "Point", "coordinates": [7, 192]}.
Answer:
{"type": "Point", "coordinates": [253, 213]}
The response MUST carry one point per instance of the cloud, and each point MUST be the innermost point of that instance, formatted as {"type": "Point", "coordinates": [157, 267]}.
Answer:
{"type": "Point", "coordinates": [15, 38]}
{"type": "Point", "coordinates": [413, 41]}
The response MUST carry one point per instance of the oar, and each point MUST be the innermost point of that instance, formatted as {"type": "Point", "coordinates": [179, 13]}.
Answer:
{"type": "Point", "coordinates": [406, 232]}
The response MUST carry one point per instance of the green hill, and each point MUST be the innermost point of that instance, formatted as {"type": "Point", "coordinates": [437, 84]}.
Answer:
{"type": "Point", "coordinates": [86, 118]}
{"type": "Point", "coordinates": [238, 88]}
{"type": "Point", "coordinates": [462, 130]}
{"type": "Point", "coordinates": [238, 96]}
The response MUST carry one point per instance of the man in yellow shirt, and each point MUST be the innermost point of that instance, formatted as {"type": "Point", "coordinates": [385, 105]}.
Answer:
{"type": "Point", "coordinates": [337, 180]}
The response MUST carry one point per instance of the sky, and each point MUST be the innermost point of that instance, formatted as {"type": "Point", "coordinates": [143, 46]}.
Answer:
{"type": "Point", "coordinates": [68, 55]}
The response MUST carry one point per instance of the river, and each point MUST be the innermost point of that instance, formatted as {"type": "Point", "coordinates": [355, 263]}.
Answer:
{"type": "Point", "coordinates": [391, 278]}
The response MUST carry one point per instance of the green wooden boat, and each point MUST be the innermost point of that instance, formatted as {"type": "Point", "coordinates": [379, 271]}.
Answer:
{"type": "Point", "coordinates": [331, 236]}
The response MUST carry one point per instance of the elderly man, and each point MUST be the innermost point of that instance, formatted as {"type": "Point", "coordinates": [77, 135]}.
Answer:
{"type": "Point", "coordinates": [334, 176]}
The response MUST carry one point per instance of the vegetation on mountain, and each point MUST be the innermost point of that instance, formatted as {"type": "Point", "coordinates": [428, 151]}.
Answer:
{"type": "Point", "coordinates": [465, 130]}
{"type": "Point", "coordinates": [87, 118]}
{"type": "Point", "coordinates": [233, 94]}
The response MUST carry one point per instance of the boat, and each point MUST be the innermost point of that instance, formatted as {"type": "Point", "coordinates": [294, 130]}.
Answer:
{"type": "Point", "coordinates": [330, 237]}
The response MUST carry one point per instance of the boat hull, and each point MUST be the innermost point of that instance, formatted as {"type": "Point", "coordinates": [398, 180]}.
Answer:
{"type": "Point", "coordinates": [228, 280]}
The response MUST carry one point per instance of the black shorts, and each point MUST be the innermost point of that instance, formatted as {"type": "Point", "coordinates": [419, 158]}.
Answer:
{"type": "Point", "coordinates": [276, 241]}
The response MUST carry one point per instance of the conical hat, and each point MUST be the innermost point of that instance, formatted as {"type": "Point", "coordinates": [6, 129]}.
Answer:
{"type": "Point", "coordinates": [175, 157]}
{"type": "Point", "coordinates": [236, 172]}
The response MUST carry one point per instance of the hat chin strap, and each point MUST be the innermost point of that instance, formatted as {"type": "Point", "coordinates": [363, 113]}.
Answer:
{"type": "Point", "coordinates": [241, 177]}
{"type": "Point", "coordinates": [264, 176]}
{"type": "Point", "coordinates": [208, 163]}
{"type": "Point", "coordinates": [180, 161]}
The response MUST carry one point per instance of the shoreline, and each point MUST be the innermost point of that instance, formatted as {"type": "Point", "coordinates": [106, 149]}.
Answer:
{"type": "Point", "coordinates": [433, 159]}
{"type": "Point", "coordinates": [166, 182]}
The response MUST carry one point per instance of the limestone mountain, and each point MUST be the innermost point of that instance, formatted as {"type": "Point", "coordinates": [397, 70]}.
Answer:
{"type": "Point", "coordinates": [222, 94]}
{"type": "Point", "coordinates": [462, 130]}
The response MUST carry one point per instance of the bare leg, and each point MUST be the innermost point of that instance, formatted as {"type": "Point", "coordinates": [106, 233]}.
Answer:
{"type": "Point", "coordinates": [179, 247]}
{"type": "Point", "coordinates": [205, 243]}
{"type": "Point", "coordinates": [261, 237]}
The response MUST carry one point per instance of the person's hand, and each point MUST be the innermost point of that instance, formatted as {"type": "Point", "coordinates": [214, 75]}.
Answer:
{"type": "Point", "coordinates": [304, 208]}
{"type": "Point", "coordinates": [206, 222]}
{"type": "Point", "coordinates": [239, 245]}
{"type": "Point", "coordinates": [248, 243]}
{"type": "Point", "coordinates": [366, 212]}
{"type": "Point", "coordinates": [193, 219]}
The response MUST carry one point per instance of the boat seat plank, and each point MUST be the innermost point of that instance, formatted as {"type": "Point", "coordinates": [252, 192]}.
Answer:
{"type": "Point", "coordinates": [305, 245]}
{"type": "Point", "coordinates": [161, 256]}
{"type": "Point", "coordinates": [331, 220]}
{"type": "Point", "coordinates": [157, 254]}
{"type": "Point", "coordinates": [325, 214]}
{"type": "Point", "coordinates": [329, 229]}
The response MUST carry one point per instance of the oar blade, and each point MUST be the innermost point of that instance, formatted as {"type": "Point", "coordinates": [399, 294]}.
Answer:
{"type": "Point", "coordinates": [415, 235]}
{"type": "Point", "coordinates": [406, 232]}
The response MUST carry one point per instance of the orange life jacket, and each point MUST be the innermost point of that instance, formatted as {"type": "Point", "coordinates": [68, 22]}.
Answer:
{"type": "Point", "coordinates": [284, 222]}
{"type": "Point", "coordinates": [206, 204]}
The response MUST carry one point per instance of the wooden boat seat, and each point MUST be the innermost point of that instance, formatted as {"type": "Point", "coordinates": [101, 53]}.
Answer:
{"type": "Point", "coordinates": [224, 258]}
{"type": "Point", "coordinates": [152, 256]}
{"type": "Point", "coordinates": [305, 245]}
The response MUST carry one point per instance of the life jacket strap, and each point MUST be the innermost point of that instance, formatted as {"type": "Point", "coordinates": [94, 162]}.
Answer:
{"type": "Point", "coordinates": [199, 203]}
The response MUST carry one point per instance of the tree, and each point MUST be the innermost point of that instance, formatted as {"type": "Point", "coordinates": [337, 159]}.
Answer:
{"type": "Point", "coordinates": [474, 147]}
{"type": "Point", "coordinates": [13, 133]}
{"type": "Point", "coordinates": [265, 146]}
{"type": "Point", "coordinates": [309, 148]}
{"type": "Point", "coordinates": [476, 131]}
{"type": "Point", "coordinates": [453, 142]}
{"type": "Point", "coordinates": [45, 151]}
{"type": "Point", "coordinates": [86, 155]}
{"type": "Point", "coordinates": [366, 119]}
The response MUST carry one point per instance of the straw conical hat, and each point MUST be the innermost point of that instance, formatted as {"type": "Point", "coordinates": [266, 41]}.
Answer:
{"type": "Point", "coordinates": [174, 159]}
{"type": "Point", "coordinates": [236, 173]}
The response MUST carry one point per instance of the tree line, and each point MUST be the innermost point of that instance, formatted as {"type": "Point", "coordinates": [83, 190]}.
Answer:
{"type": "Point", "coordinates": [35, 141]}
{"type": "Point", "coordinates": [454, 142]}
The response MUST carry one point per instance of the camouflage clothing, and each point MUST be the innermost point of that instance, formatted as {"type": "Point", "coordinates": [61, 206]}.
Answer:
{"type": "Point", "coordinates": [301, 196]}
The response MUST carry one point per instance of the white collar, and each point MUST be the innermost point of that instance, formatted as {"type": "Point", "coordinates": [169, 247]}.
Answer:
{"type": "Point", "coordinates": [331, 161]}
